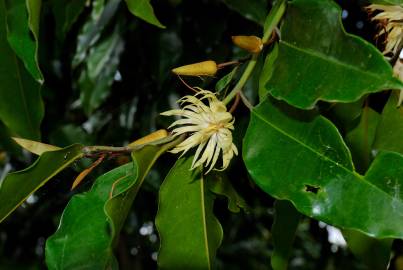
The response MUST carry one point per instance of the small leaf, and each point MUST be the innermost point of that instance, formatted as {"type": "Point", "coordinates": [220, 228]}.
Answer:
{"type": "Point", "coordinates": [219, 184]}
{"type": "Point", "coordinates": [360, 139]}
{"type": "Point", "coordinates": [17, 186]}
{"type": "Point", "coordinates": [252, 10]}
{"type": "Point", "coordinates": [339, 68]}
{"type": "Point", "coordinates": [375, 253]}
{"type": "Point", "coordinates": [37, 148]}
{"type": "Point", "coordinates": [143, 10]}
{"type": "Point", "coordinates": [390, 129]}
{"type": "Point", "coordinates": [285, 225]}
{"type": "Point", "coordinates": [225, 81]}
{"type": "Point", "coordinates": [185, 220]}
{"type": "Point", "coordinates": [297, 156]}
{"type": "Point", "coordinates": [21, 107]}
{"type": "Point", "coordinates": [22, 18]}
{"type": "Point", "coordinates": [267, 71]}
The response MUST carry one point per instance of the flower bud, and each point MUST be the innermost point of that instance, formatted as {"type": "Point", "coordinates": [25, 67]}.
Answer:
{"type": "Point", "coordinates": [251, 44]}
{"type": "Point", "coordinates": [205, 68]}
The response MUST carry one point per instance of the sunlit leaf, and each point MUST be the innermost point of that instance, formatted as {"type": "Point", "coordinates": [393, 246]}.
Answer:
{"type": "Point", "coordinates": [35, 147]}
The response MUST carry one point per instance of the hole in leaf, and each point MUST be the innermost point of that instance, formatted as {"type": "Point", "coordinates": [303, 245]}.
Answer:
{"type": "Point", "coordinates": [313, 189]}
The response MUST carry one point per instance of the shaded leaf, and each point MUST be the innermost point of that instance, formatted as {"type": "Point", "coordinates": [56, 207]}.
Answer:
{"type": "Point", "coordinates": [17, 186]}
{"type": "Point", "coordinates": [66, 13]}
{"type": "Point", "coordinates": [252, 10]}
{"type": "Point", "coordinates": [143, 10]}
{"type": "Point", "coordinates": [37, 148]}
{"type": "Point", "coordinates": [100, 68]}
{"type": "Point", "coordinates": [285, 225]}
{"type": "Point", "coordinates": [219, 184]}
{"type": "Point", "coordinates": [293, 155]}
{"type": "Point", "coordinates": [390, 129]}
{"type": "Point", "coordinates": [21, 107]}
{"type": "Point", "coordinates": [101, 15]}
{"type": "Point", "coordinates": [22, 18]}
{"type": "Point", "coordinates": [360, 139]}
{"type": "Point", "coordinates": [185, 220]}
{"type": "Point", "coordinates": [375, 253]}
{"type": "Point", "coordinates": [267, 71]}
{"type": "Point", "coordinates": [339, 68]}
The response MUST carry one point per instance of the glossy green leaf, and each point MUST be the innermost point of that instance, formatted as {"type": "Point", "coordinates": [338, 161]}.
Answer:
{"type": "Point", "coordinates": [66, 13]}
{"type": "Point", "coordinates": [267, 70]}
{"type": "Point", "coordinates": [17, 186]}
{"type": "Point", "coordinates": [252, 10]}
{"type": "Point", "coordinates": [190, 233]}
{"type": "Point", "coordinates": [387, 2]}
{"type": "Point", "coordinates": [143, 10]}
{"type": "Point", "coordinates": [339, 68]}
{"type": "Point", "coordinates": [219, 184]}
{"type": "Point", "coordinates": [297, 156]}
{"type": "Point", "coordinates": [21, 107]}
{"type": "Point", "coordinates": [375, 253]}
{"type": "Point", "coordinates": [360, 139]}
{"type": "Point", "coordinates": [90, 33]}
{"type": "Point", "coordinates": [285, 225]}
{"type": "Point", "coordinates": [83, 238]}
{"type": "Point", "coordinates": [22, 18]}
{"type": "Point", "coordinates": [390, 129]}
{"type": "Point", "coordinates": [101, 65]}
{"type": "Point", "coordinates": [91, 222]}
{"type": "Point", "coordinates": [224, 82]}
{"type": "Point", "coordinates": [346, 116]}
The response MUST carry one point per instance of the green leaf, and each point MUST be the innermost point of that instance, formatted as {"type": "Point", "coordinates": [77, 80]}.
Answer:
{"type": "Point", "coordinates": [293, 155]}
{"type": "Point", "coordinates": [387, 2]}
{"type": "Point", "coordinates": [22, 18]}
{"type": "Point", "coordinates": [21, 107]}
{"type": "Point", "coordinates": [360, 139]}
{"type": "Point", "coordinates": [339, 68]}
{"type": "Point", "coordinates": [83, 238]}
{"type": "Point", "coordinates": [190, 233]}
{"type": "Point", "coordinates": [285, 225]}
{"type": "Point", "coordinates": [101, 65]}
{"type": "Point", "coordinates": [267, 71]}
{"type": "Point", "coordinates": [219, 184]}
{"type": "Point", "coordinates": [91, 222]}
{"type": "Point", "coordinates": [17, 186]}
{"type": "Point", "coordinates": [66, 13]}
{"type": "Point", "coordinates": [224, 82]}
{"type": "Point", "coordinates": [375, 253]}
{"type": "Point", "coordinates": [143, 10]}
{"type": "Point", "coordinates": [101, 14]}
{"type": "Point", "coordinates": [252, 10]}
{"type": "Point", "coordinates": [390, 129]}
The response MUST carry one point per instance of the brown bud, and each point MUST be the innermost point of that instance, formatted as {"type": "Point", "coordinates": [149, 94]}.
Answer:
{"type": "Point", "coordinates": [251, 44]}
{"type": "Point", "coordinates": [205, 68]}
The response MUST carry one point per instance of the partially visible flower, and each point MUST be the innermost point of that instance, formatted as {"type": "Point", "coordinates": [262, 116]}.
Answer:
{"type": "Point", "coordinates": [210, 127]}
{"type": "Point", "coordinates": [390, 19]}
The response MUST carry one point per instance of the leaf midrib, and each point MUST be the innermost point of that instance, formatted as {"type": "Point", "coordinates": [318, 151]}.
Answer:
{"type": "Point", "coordinates": [360, 177]}
{"type": "Point", "coordinates": [206, 245]}
{"type": "Point", "coordinates": [330, 59]}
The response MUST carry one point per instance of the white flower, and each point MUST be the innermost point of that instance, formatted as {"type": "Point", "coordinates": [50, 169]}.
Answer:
{"type": "Point", "coordinates": [391, 21]}
{"type": "Point", "coordinates": [210, 127]}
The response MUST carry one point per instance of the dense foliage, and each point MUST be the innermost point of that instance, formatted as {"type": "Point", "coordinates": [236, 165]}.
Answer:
{"type": "Point", "coordinates": [303, 114]}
